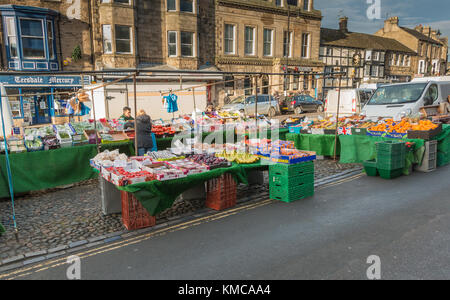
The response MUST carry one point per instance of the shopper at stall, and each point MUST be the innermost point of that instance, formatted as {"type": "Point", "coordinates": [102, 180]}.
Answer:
{"type": "Point", "coordinates": [144, 132]}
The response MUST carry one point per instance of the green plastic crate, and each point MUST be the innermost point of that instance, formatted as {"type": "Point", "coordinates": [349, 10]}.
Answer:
{"type": "Point", "coordinates": [370, 167]}
{"type": "Point", "coordinates": [291, 195]}
{"type": "Point", "coordinates": [291, 181]}
{"type": "Point", "coordinates": [390, 174]}
{"type": "Point", "coordinates": [390, 146]}
{"type": "Point", "coordinates": [391, 164]}
{"type": "Point", "coordinates": [292, 170]}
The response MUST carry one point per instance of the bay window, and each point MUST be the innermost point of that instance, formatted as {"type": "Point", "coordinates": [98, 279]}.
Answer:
{"type": "Point", "coordinates": [29, 38]}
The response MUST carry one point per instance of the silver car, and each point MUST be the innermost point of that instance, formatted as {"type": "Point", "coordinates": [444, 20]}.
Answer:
{"type": "Point", "coordinates": [267, 105]}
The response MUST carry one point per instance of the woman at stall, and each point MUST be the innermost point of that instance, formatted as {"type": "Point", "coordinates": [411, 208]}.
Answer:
{"type": "Point", "coordinates": [144, 133]}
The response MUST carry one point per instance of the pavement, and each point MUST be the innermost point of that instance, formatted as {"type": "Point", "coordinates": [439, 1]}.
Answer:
{"type": "Point", "coordinates": [403, 223]}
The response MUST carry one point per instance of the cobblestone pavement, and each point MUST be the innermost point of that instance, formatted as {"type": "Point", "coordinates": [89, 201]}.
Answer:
{"type": "Point", "coordinates": [62, 216]}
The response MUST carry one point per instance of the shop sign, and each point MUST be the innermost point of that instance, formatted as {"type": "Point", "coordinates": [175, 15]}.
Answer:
{"type": "Point", "coordinates": [13, 80]}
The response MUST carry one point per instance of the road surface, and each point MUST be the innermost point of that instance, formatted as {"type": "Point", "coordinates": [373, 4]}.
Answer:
{"type": "Point", "coordinates": [405, 222]}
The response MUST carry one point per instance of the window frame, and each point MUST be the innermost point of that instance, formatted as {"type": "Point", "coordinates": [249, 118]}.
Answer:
{"type": "Point", "coordinates": [169, 43]}
{"type": "Point", "coordinates": [290, 35]}
{"type": "Point", "coordinates": [265, 42]}
{"type": "Point", "coordinates": [308, 45]}
{"type": "Point", "coordinates": [186, 11]}
{"type": "Point", "coordinates": [253, 41]}
{"type": "Point", "coordinates": [174, 3]}
{"type": "Point", "coordinates": [225, 39]}
{"type": "Point", "coordinates": [192, 45]}
{"type": "Point", "coordinates": [130, 28]}
{"type": "Point", "coordinates": [15, 36]}
{"type": "Point", "coordinates": [33, 37]}
{"type": "Point", "coordinates": [104, 40]}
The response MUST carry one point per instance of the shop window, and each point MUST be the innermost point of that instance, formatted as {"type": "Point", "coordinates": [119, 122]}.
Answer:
{"type": "Point", "coordinates": [14, 102]}
{"type": "Point", "coordinates": [248, 87]}
{"type": "Point", "coordinates": [305, 83]}
{"type": "Point", "coordinates": [123, 39]}
{"type": "Point", "coordinates": [229, 85]}
{"type": "Point", "coordinates": [172, 43]}
{"type": "Point", "coordinates": [295, 82]}
{"type": "Point", "coordinates": [265, 85]}
{"type": "Point", "coordinates": [187, 44]}
{"type": "Point", "coordinates": [292, 2]}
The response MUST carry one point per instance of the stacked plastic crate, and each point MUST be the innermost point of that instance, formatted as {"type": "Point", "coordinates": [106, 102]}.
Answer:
{"type": "Point", "coordinates": [391, 158]}
{"type": "Point", "coordinates": [429, 162]}
{"type": "Point", "coordinates": [291, 182]}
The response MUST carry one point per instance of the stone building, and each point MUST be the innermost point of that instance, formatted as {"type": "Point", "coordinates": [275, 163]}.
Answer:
{"type": "Point", "coordinates": [267, 36]}
{"type": "Point", "coordinates": [427, 43]}
{"type": "Point", "coordinates": [364, 57]}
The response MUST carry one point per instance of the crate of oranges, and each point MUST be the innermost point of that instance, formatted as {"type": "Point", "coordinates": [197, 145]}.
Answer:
{"type": "Point", "coordinates": [425, 130]}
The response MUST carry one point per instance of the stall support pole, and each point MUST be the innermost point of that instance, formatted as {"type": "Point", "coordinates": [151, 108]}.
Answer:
{"type": "Point", "coordinates": [193, 96]}
{"type": "Point", "coordinates": [95, 122]}
{"type": "Point", "coordinates": [135, 116]}
{"type": "Point", "coordinates": [337, 119]}
{"type": "Point", "coordinates": [256, 102]}
{"type": "Point", "coordinates": [8, 170]}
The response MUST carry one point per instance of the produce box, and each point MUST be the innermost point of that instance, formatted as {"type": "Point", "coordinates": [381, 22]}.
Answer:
{"type": "Point", "coordinates": [425, 135]}
{"type": "Point", "coordinates": [359, 131]}
{"type": "Point", "coordinates": [317, 131]}
{"type": "Point", "coordinates": [90, 136]}
{"type": "Point", "coordinates": [290, 159]}
{"type": "Point", "coordinates": [295, 129]}
{"type": "Point", "coordinates": [290, 182]}
{"type": "Point", "coordinates": [35, 144]}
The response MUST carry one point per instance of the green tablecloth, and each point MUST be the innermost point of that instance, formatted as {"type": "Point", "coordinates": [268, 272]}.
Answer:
{"type": "Point", "coordinates": [443, 155]}
{"type": "Point", "coordinates": [39, 170]}
{"type": "Point", "coordinates": [156, 196]}
{"type": "Point", "coordinates": [322, 144]}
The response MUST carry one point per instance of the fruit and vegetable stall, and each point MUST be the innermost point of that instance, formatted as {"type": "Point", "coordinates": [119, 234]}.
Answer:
{"type": "Point", "coordinates": [151, 183]}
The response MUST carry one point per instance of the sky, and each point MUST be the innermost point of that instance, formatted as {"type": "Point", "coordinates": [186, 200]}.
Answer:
{"type": "Point", "coordinates": [434, 13]}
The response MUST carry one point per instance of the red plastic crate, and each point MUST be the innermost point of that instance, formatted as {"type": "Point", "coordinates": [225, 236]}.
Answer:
{"type": "Point", "coordinates": [221, 192]}
{"type": "Point", "coordinates": [134, 215]}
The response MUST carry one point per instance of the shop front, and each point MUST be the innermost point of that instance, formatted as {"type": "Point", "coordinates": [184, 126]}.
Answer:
{"type": "Point", "coordinates": [38, 99]}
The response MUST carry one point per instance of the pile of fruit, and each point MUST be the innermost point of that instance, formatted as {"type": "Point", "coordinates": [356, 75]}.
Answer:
{"type": "Point", "coordinates": [403, 126]}
{"type": "Point", "coordinates": [163, 155]}
{"type": "Point", "coordinates": [240, 158]}
{"type": "Point", "coordinates": [159, 130]}
{"type": "Point", "coordinates": [210, 161]}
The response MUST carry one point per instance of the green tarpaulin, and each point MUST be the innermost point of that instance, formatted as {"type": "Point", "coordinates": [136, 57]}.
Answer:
{"type": "Point", "coordinates": [2, 229]}
{"type": "Point", "coordinates": [156, 196]}
{"type": "Point", "coordinates": [322, 144]}
{"type": "Point", "coordinates": [443, 155]}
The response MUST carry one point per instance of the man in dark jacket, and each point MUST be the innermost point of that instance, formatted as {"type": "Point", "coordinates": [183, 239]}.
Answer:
{"type": "Point", "coordinates": [144, 133]}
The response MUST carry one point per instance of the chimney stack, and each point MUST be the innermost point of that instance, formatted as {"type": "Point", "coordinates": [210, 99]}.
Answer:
{"type": "Point", "coordinates": [343, 24]}
{"type": "Point", "coordinates": [391, 24]}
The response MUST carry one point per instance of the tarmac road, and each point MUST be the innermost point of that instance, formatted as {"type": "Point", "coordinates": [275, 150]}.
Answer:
{"type": "Point", "coordinates": [405, 222]}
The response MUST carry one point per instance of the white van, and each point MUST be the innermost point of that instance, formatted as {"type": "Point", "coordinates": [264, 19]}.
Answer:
{"type": "Point", "coordinates": [351, 102]}
{"type": "Point", "coordinates": [406, 99]}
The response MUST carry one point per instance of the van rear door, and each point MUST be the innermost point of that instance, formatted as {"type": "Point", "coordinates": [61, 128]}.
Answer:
{"type": "Point", "coordinates": [348, 102]}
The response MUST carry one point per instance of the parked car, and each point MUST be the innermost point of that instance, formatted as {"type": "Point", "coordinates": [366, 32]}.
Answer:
{"type": "Point", "coordinates": [267, 105]}
{"type": "Point", "coordinates": [301, 103]}
{"type": "Point", "coordinates": [351, 102]}
{"type": "Point", "coordinates": [406, 99]}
